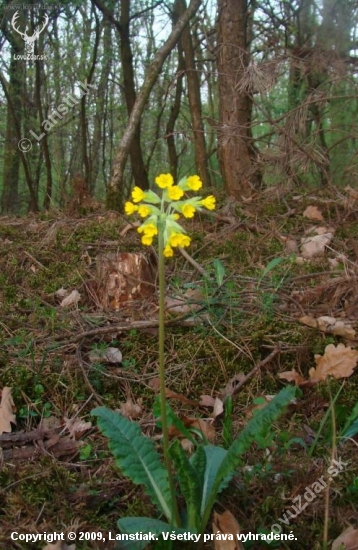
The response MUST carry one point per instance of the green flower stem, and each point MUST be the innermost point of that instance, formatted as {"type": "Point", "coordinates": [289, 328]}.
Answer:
{"type": "Point", "coordinates": [163, 401]}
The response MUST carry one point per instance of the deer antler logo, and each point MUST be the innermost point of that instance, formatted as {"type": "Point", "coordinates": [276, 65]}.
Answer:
{"type": "Point", "coordinates": [29, 40]}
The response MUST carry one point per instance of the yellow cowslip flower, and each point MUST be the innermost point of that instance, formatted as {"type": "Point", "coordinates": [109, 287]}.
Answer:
{"type": "Point", "coordinates": [130, 208]}
{"type": "Point", "coordinates": [208, 202]}
{"type": "Point", "coordinates": [179, 239]}
{"type": "Point", "coordinates": [164, 180]}
{"type": "Point", "coordinates": [149, 230]}
{"type": "Point", "coordinates": [188, 210]}
{"type": "Point", "coordinates": [144, 210]}
{"type": "Point", "coordinates": [175, 193]}
{"type": "Point", "coordinates": [168, 251]}
{"type": "Point", "coordinates": [147, 240]}
{"type": "Point", "coordinates": [194, 183]}
{"type": "Point", "coordinates": [137, 194]}
{"type": "Point", "coordinates": [185, 240]}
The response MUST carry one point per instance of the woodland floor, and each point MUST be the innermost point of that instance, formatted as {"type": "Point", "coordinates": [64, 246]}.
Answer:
{"type": "Point", "coordinates": [55, 478]}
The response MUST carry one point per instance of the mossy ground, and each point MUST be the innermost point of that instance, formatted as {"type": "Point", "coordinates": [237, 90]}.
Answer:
{"type": "Point", "coordinates": [243, 319]}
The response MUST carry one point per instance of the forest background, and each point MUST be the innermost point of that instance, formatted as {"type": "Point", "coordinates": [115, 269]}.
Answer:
{"type": "Point", "coordinates": [248, 95]}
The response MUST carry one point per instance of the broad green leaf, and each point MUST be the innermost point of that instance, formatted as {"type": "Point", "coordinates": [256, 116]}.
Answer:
{"type": "Point", "coordinates": [136, 456]}
{"type": "Point", "coordinates": [190, 483]}
{"type": "Point", "coordinates": [256, 426]}
{"type": "Point", "coordinates": [214, 459]}
{"type": "Point", "coordinates": [352, 430]}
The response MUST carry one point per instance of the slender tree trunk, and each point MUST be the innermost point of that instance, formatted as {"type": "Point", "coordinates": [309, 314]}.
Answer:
{"type": "Point", "coordinates": [100, 116]}
{"type": "Point", "coordinates": [86, 157]}
{"type": "Point", "coordinates": [137, 163]}
{"type": "Point", "coordinates": [175, 108]}
{"type": "Point", "coordinates": [115, 189]}
{"type": "Point", "coordinates": [235, 147]}
{"type": "Point", "coordinates": [14, 97]}
{"type": "Point", "coordinates": [44, 141]}
{"type": "Point", "coordinates": [10, 193]}
{"type": "Point", "coordinates": [194, 100]}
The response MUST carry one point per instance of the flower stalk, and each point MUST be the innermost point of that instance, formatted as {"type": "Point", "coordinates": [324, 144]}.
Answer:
{"type": "Point", "coordinates": [163, 399]}
{"type": "Point", "coordinates": [161, 214]}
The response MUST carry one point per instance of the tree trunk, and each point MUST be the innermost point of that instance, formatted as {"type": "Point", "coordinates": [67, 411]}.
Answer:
{"type": "Point", "coordinates": [115, 188]}
{"type": "Point", "coordinates": [10, 193]}
{"type": "Point", "coordinates": [137, 163]}
{"type": "Point", "coordinates": [14, 96]}
{"type": "Point", "coordinates": [175, 107]}
{"type": "Point", "coordinates": [235, 147]}
{"type": "Point", "coordinates": [194, 100]}
{"type": "Point", "coordinates": [100, 119]}
{"type": "Point", "coordinates": [44, 142]}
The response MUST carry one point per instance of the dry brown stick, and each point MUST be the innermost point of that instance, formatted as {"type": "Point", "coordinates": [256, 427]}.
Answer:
{"type": "Point", "coordinates": [61, 448]}
{"type": "Point", "coordinates": [123, 327]}
{"type": "Point", "coordinates": [256, 368]}
{"type": "Point", "coordinates": [17, 438]}
{"type": "Point", "coordinates": [192, 261]}
{"type": "Point", "coordinates": [34, 260]}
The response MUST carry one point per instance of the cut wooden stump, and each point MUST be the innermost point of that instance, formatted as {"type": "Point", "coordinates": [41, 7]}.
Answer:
{"type": "Point", "coordinates": [124, 277]}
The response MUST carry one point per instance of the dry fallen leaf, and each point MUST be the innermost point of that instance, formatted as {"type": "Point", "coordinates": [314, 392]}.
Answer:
{"type": "Point", "coordinates": [226, 524]}
{"type": "Point", "coordinates": [186, 303]}
{"type": "Point", "coordinates": [214, 402]}
{"type": "Point", "coordinates": [180, 397]}
{"type": "Point", "coordinates": [291, 246]}
{"type": "Point", "coordinates": [7, 416]}
{"type": "Point", "coordinates": [336, 326]}
{"type": "Point", "coordinates": [330, 325]}
{"type": "Point", "coordinates": [204, 426]}
{"type": "Point", "coordinates": [107, 355]}
{"type": "Point", "coordinates": [338, 362]}
{"type": "Point", "coordinates": [232, 384]}
{"type": "Point", "coordinates": [315, 245]}
{"type": "Point", "coordinates": [313, 213]}
{"type": "Point", "coordinates": [218, 407]}
{"type": "Point", "coordinates": [112, 355]}
{"type": "Point", "coordinates": [200, 424]}
{"type": "Point", "coordinates": [187, 445]}
{"type": "Point", "coordinates": [76, 427]}
{"type": "Point", "coordinates": [292, 376]}
{"type": "Point", "coordinates": [61, 293]}
{"type": "Point", "coordinates": [132, 410]}
{"type": "Point", "coordinates": [154, 383]}
{"type": "Point", "coordinates": [207, 401]}
{"type": "Point", "coordinates": [72, 299]}
{"type": "Point", "coordinates": [349, 540]}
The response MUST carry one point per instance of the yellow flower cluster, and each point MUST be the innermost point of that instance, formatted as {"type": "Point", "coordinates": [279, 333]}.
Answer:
{"type": "Point", "coordinates": [163, 212]}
